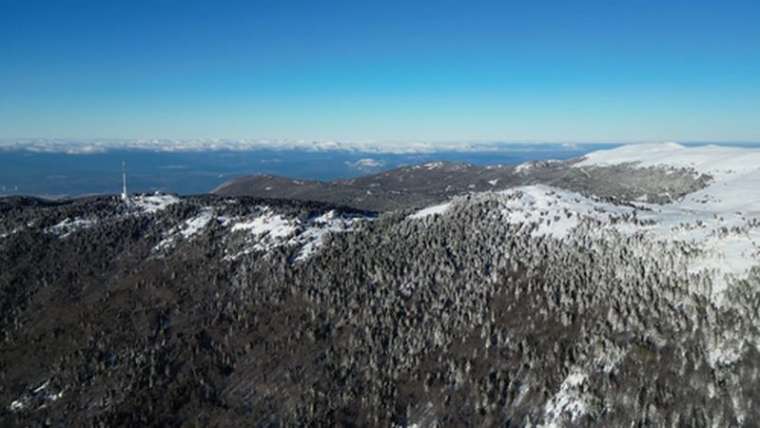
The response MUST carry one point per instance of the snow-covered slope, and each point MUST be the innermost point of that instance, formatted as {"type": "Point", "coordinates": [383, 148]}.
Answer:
{"type": "Point", "coordinates": [260, 231]}
{"type": "Point", "coordinates": [721, 219]}
{"type": "Point", "coordinates": [268, 230]}
{"type": "Point", "coordinates": [720, 223]}
{"type": "Point", "coordinates": [172, 224]}
{"type": "Point", "coordinates": [718, 161]}
{"type": "Point", "coordinates": [69, 226]}
{"type": "Point", "coordinates": [188, 228]}
{"type": "Point", "coordinates": [152, 203]}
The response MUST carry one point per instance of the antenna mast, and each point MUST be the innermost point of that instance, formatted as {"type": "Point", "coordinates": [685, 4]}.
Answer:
{"type": "Point", "coordinates": [124, 194]}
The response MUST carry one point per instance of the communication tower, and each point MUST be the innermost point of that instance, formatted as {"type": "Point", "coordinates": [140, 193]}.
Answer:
{"type": "Point", "coordinates": [124, 194]}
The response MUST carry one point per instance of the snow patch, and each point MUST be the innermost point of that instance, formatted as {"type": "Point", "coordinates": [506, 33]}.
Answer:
{"type": "Point", "coordinates": [314, 236]}
{"type": "Point", "coordinates": [273, 225]}
{"type": "Point", "coordinates": [726, 348]}
{"type": "Point", "coordinates": [39, 397]}
{"type": "Point", "coordinates": [540, 209]}
{"type": "Point", "coordinates": [187, 229]}
{"type": "Point", "coordinates": [723, 355]}
{"type": "Point", "coordinates": [269, 230]}
{"type": "Point", "coordinates": [526, 167]}
{"type": "Point", "coordinates": [152, 203]}
{"type": "Point", "coordinates": [553, 212]}
{"type": "Point", "coordinates": [17, 405]}
{"type": "Point", "coordinates": [570, 402]}
{"type": "Point", "coordinates": [431, 211]}
{"type": "Point", "coordinates": [197, 223]}
{"type": "Point", "coordinates": [11, 233]}
{"type": "Point", "coordinates": [69, 226]}
{"type": "Point", "coordinates": [433, 165]}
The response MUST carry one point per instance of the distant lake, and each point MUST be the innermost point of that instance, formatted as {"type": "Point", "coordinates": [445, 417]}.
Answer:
{"type": "Point", "coordinates": [59, 174]}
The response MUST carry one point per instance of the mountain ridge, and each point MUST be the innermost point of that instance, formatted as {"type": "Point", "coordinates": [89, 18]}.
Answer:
{"type": "Point", "coordinates": [413, 187]}
{"type": "Point", "coordinates": [534, 305]}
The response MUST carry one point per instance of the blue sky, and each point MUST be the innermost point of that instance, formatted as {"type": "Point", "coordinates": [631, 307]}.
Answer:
{"type": "Point", "coordinates": [381, 70]}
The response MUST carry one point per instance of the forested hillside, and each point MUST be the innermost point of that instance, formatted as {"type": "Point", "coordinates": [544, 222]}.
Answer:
{"type": "Point", "coordinates": [535, 305]}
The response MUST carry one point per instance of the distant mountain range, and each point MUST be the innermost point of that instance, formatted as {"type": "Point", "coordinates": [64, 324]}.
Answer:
{"type": "Point", "coordinates": [420, 185]}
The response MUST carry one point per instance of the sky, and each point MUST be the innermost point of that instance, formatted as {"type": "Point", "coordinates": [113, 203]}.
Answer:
{"type": "Point", "coordinates": [559, 71]}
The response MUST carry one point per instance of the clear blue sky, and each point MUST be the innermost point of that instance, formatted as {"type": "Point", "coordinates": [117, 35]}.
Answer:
{"type": "Point", "coordinates": [585, 70]}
